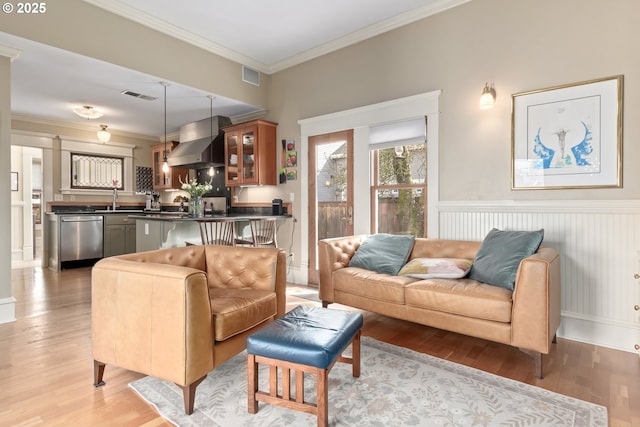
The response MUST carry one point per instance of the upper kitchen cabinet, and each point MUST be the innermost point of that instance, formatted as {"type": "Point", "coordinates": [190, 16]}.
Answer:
{"type": "Point", "coordinates": [169, 180]}
{"type": "Point", "coordinates": [250, 153]}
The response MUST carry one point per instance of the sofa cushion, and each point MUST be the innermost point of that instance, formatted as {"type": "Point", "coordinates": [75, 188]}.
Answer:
{"type": "Point", "coordinates": [445, 268]}
{"type": "Point", "coordinates": [383, 253]}
{"type": "Point", "coordinates": [238, 310]}
{"type": "Point", "coordinates": [500, 253]}
{"type": "Point", "coordinates": [464, 297]}
{"type": "Point", "coordinates": [369, 284]}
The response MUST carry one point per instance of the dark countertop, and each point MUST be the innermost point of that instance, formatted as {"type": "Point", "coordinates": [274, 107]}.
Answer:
{"type": "Point", "coordinates": [177, 216]}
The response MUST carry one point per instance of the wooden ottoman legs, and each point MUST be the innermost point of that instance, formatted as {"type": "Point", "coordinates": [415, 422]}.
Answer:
{"type": "Point", "coordinates": [321, 408]}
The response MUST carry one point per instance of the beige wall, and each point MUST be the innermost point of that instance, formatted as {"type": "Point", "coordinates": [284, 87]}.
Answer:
{"type": "Point", "coordinates": [91, 31]}
{"type": "Point", "coordinates": [519, 45]}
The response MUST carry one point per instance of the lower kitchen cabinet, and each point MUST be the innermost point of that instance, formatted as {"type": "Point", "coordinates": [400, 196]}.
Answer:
{"type": "Point", "coordinates": [119, 234]}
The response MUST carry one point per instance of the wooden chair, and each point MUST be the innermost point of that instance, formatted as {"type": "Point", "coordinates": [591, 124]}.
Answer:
{"type": "Point", "coordinates": [217, 232]}
{"type": "Point", "coordinates": [263, 232]}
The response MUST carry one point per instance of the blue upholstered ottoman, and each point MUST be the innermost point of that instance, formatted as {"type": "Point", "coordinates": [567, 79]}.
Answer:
{"type": "Point", "coordinates": [306, 339]}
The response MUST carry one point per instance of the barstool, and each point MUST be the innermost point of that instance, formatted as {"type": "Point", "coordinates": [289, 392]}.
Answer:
{"type": "Point", "coordinates": [217, 231]}
{"type": "Point", "coordinates": [263, 232]}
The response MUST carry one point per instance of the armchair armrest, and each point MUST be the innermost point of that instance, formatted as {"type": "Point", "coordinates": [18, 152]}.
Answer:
{"type": "Point", "coordinates": [152, 318]}
{"type": "Point", "coordinates": [536, 301]}
{"type": "Point", "coordinates": [334, 254]}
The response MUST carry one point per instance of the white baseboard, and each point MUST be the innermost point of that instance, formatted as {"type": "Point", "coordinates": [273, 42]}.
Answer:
{"type": "Point", "coordinates": [7, 310]}
{"type": "Point", "coordinates": [605, 334]}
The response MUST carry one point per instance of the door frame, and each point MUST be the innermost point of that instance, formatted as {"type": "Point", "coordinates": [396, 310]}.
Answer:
{"type": "Point", "coordinates": [313, 141]}
{"type": "Point", "coordinates": [360, 119]}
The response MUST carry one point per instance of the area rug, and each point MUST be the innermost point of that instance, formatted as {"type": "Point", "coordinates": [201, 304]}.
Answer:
{"type": "Point", "coordinates": [305, 293]}
{"type": "Point", "coordinates": [397, 387]}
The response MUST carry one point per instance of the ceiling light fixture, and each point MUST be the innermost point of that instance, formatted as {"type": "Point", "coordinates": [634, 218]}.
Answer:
{"type": "Point", "coordinates": [211, 98]}
{"type": "Point", "coordinates": [87, 112]}
{"type": "Point", "coordinates": [103, 134]}
{"type": "Point", "coordinates": [488, 97]}
{"type": "Point", "coordinates": [165, 164]}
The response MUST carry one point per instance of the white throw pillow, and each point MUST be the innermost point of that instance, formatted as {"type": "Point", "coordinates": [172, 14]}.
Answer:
{"type": "Point", "coordinates": [431, 268]}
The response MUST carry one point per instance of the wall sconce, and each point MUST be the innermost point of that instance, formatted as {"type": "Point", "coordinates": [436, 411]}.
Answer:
{"type": "Point", "coordinates": [103, 134]}
{"type": "Point", "coordinates": [328, 182]}
{"type": "Point", "coordinates": [488, 97]}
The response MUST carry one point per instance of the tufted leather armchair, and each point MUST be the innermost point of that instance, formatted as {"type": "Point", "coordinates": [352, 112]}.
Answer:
{"type": "Point", "coordinates": [178, 313]}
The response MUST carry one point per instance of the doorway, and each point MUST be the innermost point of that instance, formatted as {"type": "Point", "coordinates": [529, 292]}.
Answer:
{"type": "Point", "coordinates": [330, 191]}
{"type": "Point", "coordinates": [28, 236]}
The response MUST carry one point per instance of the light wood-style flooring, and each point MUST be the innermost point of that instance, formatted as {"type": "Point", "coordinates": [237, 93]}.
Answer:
{"type": "Point", "coordinates": [46, 369]}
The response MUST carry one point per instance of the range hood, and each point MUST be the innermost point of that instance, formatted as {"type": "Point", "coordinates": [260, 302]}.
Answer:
{"type": "Point", "coordinates": [197, 149]}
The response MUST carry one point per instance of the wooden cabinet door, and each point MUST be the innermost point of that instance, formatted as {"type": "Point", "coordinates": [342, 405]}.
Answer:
{"type": "Point", "coordinates": [168, 180]}
{"type": "Point", "coordinates": [114, 240]}
{"type": "Point", "coordinates": [232, 155]}
{"type": "Point", "coordinates": [250, 153]}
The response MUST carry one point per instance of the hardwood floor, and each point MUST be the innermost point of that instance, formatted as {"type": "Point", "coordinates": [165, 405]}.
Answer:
{"type": "Point", "coordinates": [46, 369]}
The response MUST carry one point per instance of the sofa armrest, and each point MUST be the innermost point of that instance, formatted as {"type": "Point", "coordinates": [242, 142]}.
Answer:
{"type": "Point", "coordinates": [334, 254]}
{"type": "Point", "coordinates": [536, 301]}
{"type": "Point", "coordinates": [152, 318]}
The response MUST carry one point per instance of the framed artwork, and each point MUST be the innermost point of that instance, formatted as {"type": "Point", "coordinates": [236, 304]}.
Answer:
{"type": "Point", "coordinates": [14, 181]}
{"type": "Point", "coordinates": [568, 137]}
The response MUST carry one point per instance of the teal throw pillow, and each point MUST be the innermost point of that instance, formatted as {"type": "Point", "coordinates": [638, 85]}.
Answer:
{"type": "Point", "coordinates": [500, 253]}
{"type": "Point", "coordinates": [383, 253]}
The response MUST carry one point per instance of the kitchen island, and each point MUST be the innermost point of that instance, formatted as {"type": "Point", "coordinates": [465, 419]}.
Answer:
{"type": "Point", "coordinates": [127, 229]}
{"type": "Point", "coordinates": [171, 229]}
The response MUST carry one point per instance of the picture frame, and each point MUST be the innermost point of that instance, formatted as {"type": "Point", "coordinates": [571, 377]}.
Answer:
{"type": "Point", "coordinates": [14, 181]}
{"type": "Point", "coordinates": [568, 137]}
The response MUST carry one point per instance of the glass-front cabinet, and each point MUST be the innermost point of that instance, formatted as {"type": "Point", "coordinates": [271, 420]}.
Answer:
{"type": "Point", "coordinates": [250, 153]}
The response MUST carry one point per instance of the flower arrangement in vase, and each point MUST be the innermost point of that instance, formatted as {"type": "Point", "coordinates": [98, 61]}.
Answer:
{"type": "Point", "coordinates": [196, 191]}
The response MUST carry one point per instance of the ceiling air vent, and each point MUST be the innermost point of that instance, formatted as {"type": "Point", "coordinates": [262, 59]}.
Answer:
{"type": "Point", "coordinates": [250, 76]}
{"type": "Point", "coordinates": [138, 95]}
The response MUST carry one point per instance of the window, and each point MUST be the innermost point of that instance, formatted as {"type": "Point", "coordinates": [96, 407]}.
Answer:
{"type": "Point", "coordinates": [398, 193]}
{"type": "Point", "coordinates": [398, 180]}
{"type": "Point", "coordinates": [96, 172]}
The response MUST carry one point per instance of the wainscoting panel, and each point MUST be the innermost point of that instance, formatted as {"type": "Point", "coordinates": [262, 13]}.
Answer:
{"type": "Point", "coordinates": [599, 244]}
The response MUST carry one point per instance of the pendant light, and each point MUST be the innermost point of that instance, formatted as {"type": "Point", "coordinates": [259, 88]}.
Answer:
{"type": "Point", "coordinates": [165, 164]}
{"type": "Point", "coordinates": [103, 134]}
{"type": "Point", "coordinates": [211, 98]}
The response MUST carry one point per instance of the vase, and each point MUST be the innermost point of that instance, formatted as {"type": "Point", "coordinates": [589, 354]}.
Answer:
{"type": "Point", "coordinates": [196, 208]}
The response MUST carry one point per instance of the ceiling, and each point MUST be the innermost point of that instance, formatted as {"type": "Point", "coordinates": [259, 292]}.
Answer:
{"type": "Point", "coordinates": [283, 33]}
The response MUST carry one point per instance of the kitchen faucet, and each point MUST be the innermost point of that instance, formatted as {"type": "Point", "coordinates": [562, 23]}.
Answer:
{"type": "Point", "coordinates": [115, 196]}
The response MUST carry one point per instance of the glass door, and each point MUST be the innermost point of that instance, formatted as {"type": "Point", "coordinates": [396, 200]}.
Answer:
{"type": "Point", "coordinates": [331, 191]}
{"type": "Point", "coordinates": [248, 155]}
{"type": "Point", "coordinates": [231, 158]}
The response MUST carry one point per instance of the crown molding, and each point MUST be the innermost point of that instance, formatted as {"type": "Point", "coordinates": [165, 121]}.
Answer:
{"type": "Point", "coordinates": [133, 14]}
{"type": "Point", "coordinates": [128, 12]}
{"type": "Point", "coordinates": [83, 127]}
{"type": "Point", "coordinates": [9, 52]}
{"type": "Point", "coordinates": [367, 33]}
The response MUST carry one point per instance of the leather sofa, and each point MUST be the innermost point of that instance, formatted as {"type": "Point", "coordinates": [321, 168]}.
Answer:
{"type": "Point", "coordinates": [527, 317]}
{"type": "Point", "coordinates": [178, 313]}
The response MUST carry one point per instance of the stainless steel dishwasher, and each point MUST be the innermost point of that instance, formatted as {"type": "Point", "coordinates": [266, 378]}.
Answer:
{"type": "Point", "coordinates": [81, 237]}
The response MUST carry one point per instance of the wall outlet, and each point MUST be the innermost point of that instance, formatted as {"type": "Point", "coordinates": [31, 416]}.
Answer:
{"type": "Point", "coordinates": [291, 256]}
{"type": "Point", "coordinates": [292, 197]}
